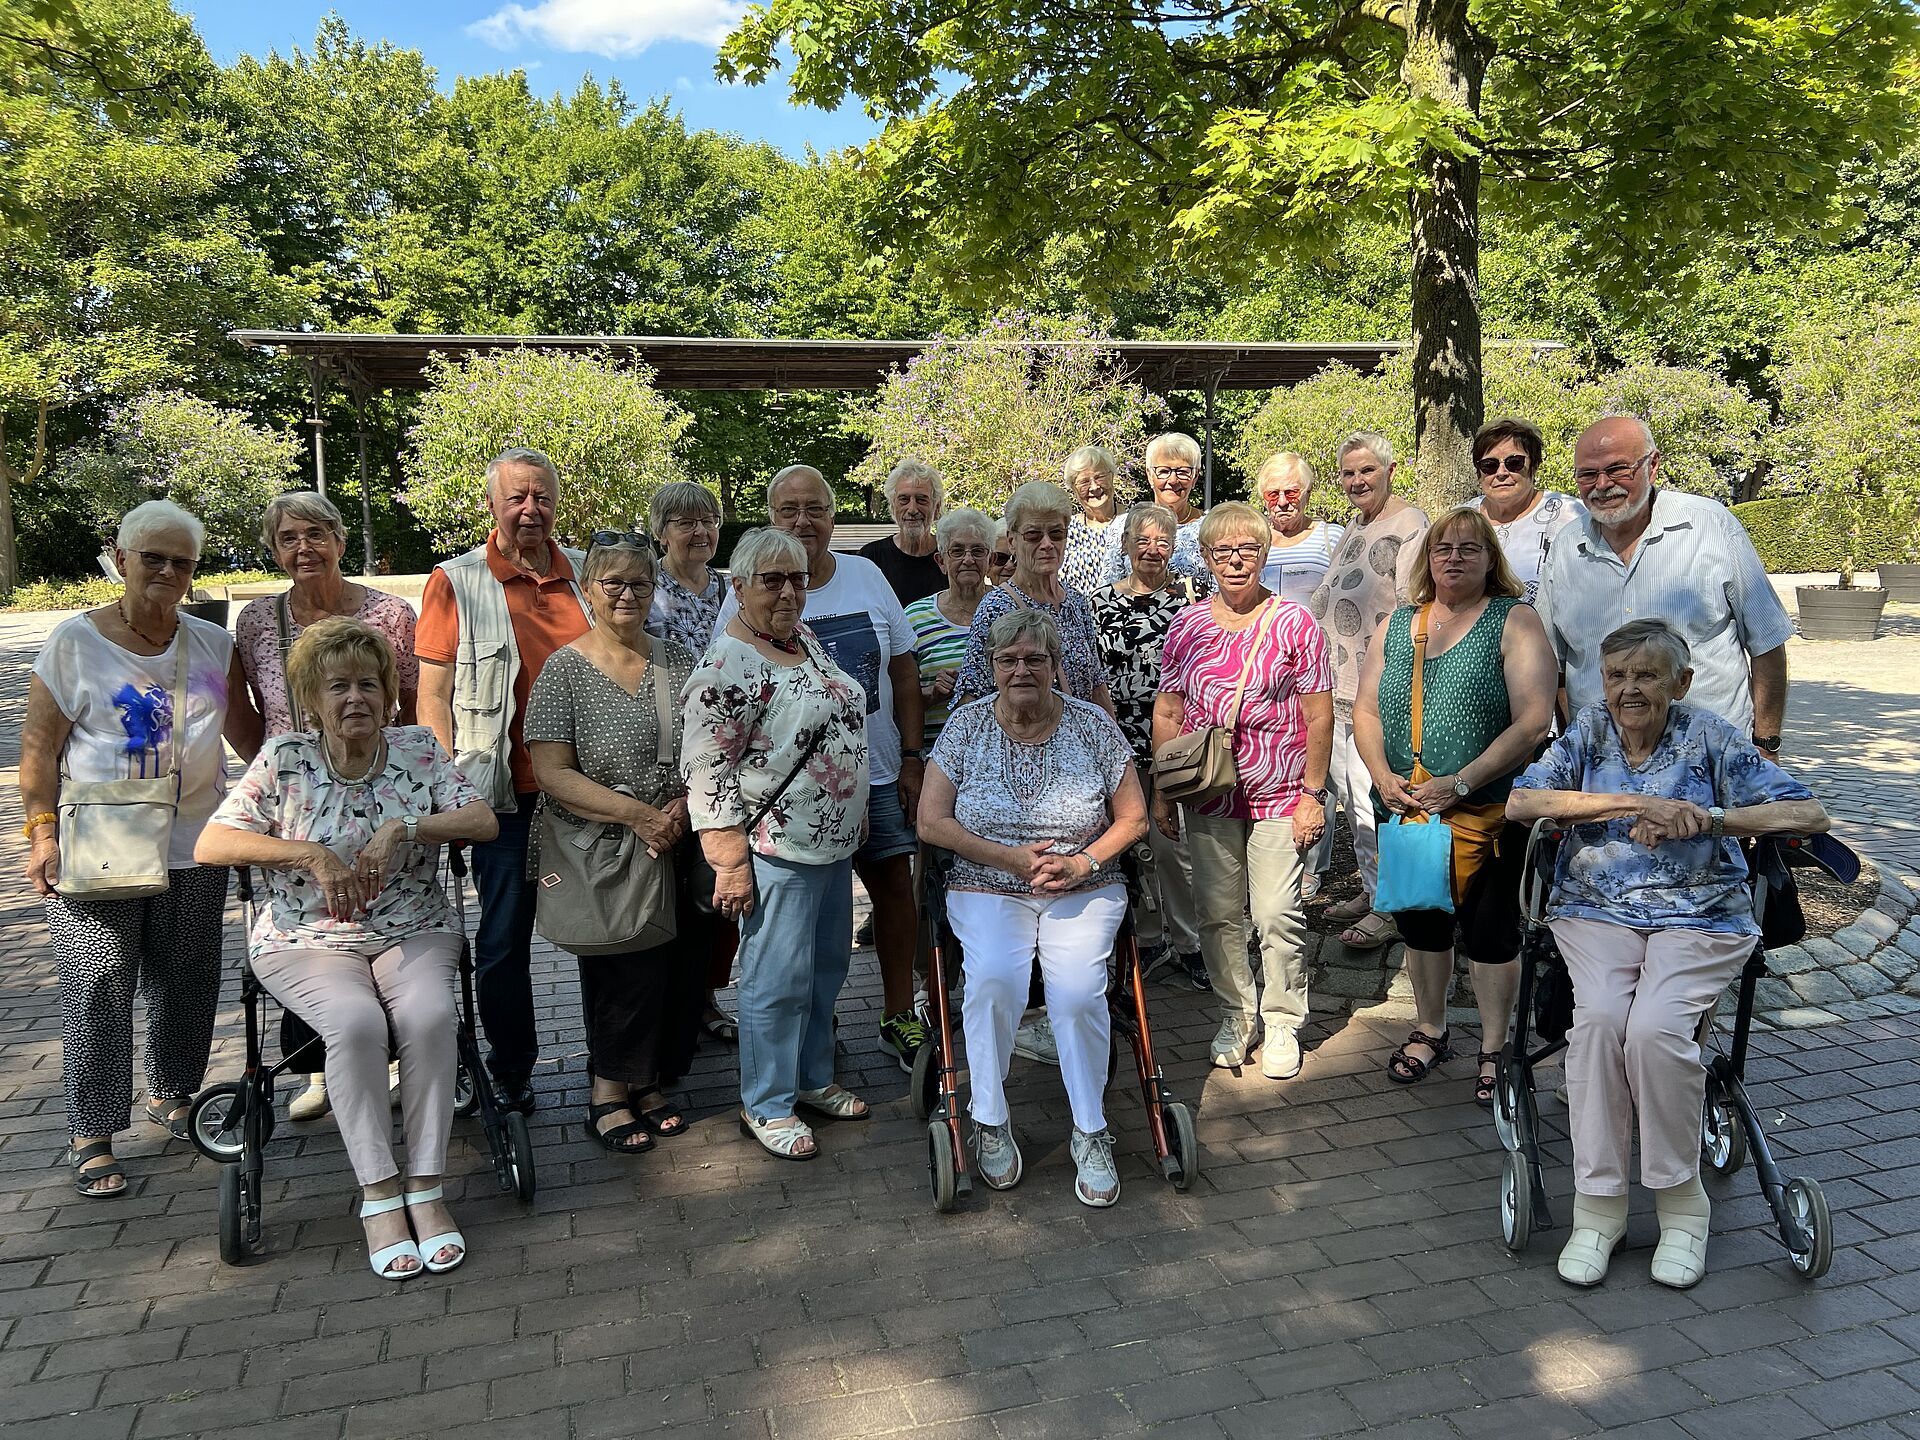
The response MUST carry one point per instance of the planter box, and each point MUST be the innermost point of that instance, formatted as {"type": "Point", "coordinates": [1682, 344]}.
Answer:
{"type": "Point", "coordinates": [1902, 582]}
{"type": "Point", "coordinates": [1828, 612]}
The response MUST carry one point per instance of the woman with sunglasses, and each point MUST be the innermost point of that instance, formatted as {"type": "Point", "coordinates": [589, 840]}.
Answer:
{"type": "Point", "coordinates": [1507, 454]}
{"type": "Point", "coordinates": [1302, 547]}
{"type": "Point", "coordinates": [593, 731]}
{"type": "Point", "coordinates": [775, 761]}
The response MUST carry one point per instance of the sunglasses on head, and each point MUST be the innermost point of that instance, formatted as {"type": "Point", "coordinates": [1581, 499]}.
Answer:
{"type": "Point", "coordinates": [1493, 465]}
{"type": "Point", "coordinates": [638, 538]}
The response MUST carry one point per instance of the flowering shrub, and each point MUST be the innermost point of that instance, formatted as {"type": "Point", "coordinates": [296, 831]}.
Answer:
{"type": "Point", "coordinates": [995, 410]}
{"type": "Point", "coordinates": [613, 437]}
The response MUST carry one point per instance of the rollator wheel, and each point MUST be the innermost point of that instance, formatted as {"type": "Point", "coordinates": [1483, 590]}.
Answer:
{"type": "Point", "coordinates": [233, 1245]}
{"type": "Point", "coordinates": [1507, 1102]}
{"type": "Point", "coordinates": [1809, 1207]}
{"type": "Point", "coordinates": [1723, 1139]}
{"type": "Point", "coordinates": [924, 1091]}
{"type": "Point", "coordinates": [1516, 1202]}
{"type": "Point", "coordinates": [466, 1095]}
{"type": "Point", "coordinates": [940, 1165]}
{"type": "Point", "coordinates": [519, 1143]}
{"type": "Point", "coordinates": [1183, 1142]}
{"type": "Point", "coordinates": [214, 1122]}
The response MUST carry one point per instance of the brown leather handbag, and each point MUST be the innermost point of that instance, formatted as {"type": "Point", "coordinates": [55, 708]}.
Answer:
{"type": "Point", "coordinates": [1199, 766]}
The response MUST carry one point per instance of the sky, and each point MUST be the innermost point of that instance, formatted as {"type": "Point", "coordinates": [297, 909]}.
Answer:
{"type": "Point", "coordinates": [652, 47]}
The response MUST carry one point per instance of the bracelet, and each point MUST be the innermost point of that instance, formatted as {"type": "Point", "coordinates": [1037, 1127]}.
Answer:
{"type": "Point", "coordinates": [34, 822]}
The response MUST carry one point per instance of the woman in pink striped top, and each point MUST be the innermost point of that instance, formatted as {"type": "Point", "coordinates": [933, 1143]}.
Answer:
{"type": "Point", "coordinates": [1246, 845]}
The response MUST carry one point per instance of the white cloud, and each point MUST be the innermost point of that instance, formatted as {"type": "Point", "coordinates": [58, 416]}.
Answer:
{"type": "Point", "coordinates": [617, 29]}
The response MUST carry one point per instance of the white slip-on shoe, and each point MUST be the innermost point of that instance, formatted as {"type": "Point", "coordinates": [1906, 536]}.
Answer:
{"type": "Point", "coordinates": [1280, 1055]}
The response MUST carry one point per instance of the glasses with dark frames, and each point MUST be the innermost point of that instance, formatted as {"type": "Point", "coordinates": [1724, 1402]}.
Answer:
{"type": "Point", "coordinates": [1494, 464]}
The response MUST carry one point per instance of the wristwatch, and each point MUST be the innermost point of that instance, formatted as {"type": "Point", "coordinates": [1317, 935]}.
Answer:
{"type": "Point", "coordinates": [412, 826]}
{"type": "Point", "coordinates": [1093, 860]}
{"type": "Point", "coordinates": [1768, 743]}
{"type": "Point", "coordinates": [1460, 787]}
{"type": "Point", "coordinates": [1319, 795]}
{"type": "Point", "coordinates": [1719, 818]}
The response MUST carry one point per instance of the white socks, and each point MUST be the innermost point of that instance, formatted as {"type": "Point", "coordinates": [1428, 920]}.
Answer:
{"type": "Point", "coordinates": [1680, 1259]}
{"type": "Point", "coordinates": [1599, 1222]}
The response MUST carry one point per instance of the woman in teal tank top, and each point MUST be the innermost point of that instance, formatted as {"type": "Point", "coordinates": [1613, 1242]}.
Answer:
{"type": "Point", "coordinates": [1487, 695]}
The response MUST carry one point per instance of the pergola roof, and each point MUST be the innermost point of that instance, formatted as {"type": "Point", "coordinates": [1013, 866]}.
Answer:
{"type": "Point", "coordinates": [681, 362]}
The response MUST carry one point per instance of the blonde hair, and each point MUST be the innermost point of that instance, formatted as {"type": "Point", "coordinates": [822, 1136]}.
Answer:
{"type": "Point", "coordinates": [1234, 517]}
{"type": "Point", "coordinates": [329, 643]}
{"type": "Point", "coordinates": [1500, 577]}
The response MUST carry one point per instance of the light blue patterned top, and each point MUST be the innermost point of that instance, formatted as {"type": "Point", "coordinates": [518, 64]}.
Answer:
{"type": "Point", "coordinates": [1698, 884]}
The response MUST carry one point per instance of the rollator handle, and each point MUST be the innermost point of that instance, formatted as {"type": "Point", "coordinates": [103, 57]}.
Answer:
{"type": "Point", "coordinates": [243, 883]}
{"type": "Point", "coordinates": [457, 858]}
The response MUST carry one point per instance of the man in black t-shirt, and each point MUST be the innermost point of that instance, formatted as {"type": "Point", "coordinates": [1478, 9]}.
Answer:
{"type": "Point", "coordinates": [916, 496]}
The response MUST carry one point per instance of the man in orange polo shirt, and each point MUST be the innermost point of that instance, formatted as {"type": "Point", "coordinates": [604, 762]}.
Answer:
{"type": "Point", "coordinates": [488, 621]}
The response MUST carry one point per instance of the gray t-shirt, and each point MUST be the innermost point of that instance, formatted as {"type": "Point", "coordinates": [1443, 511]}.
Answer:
{"type": "Point", "coordinates": [614, 735]}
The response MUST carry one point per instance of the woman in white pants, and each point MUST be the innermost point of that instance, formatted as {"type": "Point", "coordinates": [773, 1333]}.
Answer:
{"type": "Point", "coordinates": [1036, 797]}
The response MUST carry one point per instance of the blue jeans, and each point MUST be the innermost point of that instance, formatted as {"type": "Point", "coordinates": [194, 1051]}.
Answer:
{"type": "Point", "coordinates": [794, 952]}
{"type": "Point", "coordinates": [502, 951]}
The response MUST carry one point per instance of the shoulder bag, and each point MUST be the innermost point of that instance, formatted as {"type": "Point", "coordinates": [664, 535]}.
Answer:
{"type": "Point", "coordinates": [1199, 766]}
{"type": "Point", "coordinates": [600, 892]}
{"type": "Point", "coordinates": [283, 626]}
{"type": "Point", "coordinates": [115, 835]}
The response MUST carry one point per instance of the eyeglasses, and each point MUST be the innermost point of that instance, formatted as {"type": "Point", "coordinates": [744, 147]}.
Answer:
{"type": "Point", "coordinates": [975, 553]}
{"type": "Point", "coordinates": [1617, 473]}
{"type": "Point", "coordinates": [1494, 464]}
{"type": "Point", "coordinates": [1000, 557]}
{"type": "Point", "coordinates": [812, 512]}
{"type": "Point", "coordinates": [1058, 535]}
{"type": "Point", "coordinates": [638, 538]}
{"type": "Point", "coordinates": [1291, 497]}
{"type": "Point", "coordinates": [1011, 663]}
{"type": "Point", "coordinates": [686, 524]}
{"type": "Point", "coordinates": [617, 587]}
{"type": "Point", "coordinates": [1172, 472]}
{"type": "Point", "coordinates": [774, 581]}
{"type": "Point", "coordinates": [1468, 551]}
{"type": "Point", "coordinates": [1221, 554]}
{"type": "Point", "coordinates": [157, 562]}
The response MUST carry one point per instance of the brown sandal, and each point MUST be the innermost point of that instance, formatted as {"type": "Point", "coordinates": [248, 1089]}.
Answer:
{"type": "Point", "coordinates": [1404, 1069]}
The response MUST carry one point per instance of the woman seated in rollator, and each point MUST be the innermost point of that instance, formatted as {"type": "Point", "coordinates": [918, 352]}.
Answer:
{"type": "Point", "coordinates": [346, 821]}
{"type": "Point", "coordinates": [1651, 910]}
{"type": "Point", "coordinates": [1036, 796]}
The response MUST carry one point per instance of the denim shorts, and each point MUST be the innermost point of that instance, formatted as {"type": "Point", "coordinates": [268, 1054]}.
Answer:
{"type": "Point", "coordinates": [888, 833]}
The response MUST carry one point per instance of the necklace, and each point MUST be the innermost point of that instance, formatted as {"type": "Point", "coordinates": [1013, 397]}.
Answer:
{"type": "Point", "coordinates": [120, 609]}
{"type": "Point", "coordinates": [789, 646]}
{"type": "Point", "coordinates": [374, 766]}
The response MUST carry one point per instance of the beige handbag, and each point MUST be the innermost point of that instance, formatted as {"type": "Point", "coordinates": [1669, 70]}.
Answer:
{"type": "Point", "coordinates": [1198, 766]}
{"type": "Point", "coordinates": [115, 834]}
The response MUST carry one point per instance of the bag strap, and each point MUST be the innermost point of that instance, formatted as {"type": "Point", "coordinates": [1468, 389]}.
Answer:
{"type": "Point", "coordinates": [812, 747]}
{"type": "Point", "coordinates": [662, 701]}
{"type": "Point", "coordinates": [1419, 675]}
{"type": "Point", "coordinates": [283, 622]}
{"type": "Point", "coordinates": [177, 701]}
{"type": "Point", "coordinates": [1267, 612]}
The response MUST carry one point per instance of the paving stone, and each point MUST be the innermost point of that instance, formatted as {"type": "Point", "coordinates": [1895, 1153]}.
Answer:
{"type": "Point", "coordinates": [1790, 960]}
{"type": "Point", "coordinates": [1856, 939]}
{"type": "Point", "coordinates": [1864, 979]}
{"type": "Point", "coordinates": [1822, 987]}
{"type": "Point", "coordinates": [1878, 924]}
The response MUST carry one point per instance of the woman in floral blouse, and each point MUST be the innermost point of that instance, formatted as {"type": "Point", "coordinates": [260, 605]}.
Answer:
{"type": "Point", "coordinates": [775, 757]}
{"type": "Point", "coordinates": [346, 820]}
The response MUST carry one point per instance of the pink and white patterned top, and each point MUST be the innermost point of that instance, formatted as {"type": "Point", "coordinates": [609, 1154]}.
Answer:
{"type": "Point", "coordinates": [289, 794]}
{"type": "Point", "coordinates": [1201, 663]}
{"type": "Point", "coordinates": [257, 638]}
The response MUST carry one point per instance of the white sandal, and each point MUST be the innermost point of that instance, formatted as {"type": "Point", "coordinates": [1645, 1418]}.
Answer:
{"type": "Point", "coordinates": [432, 1245]}
{"type": "Point", "coordinates": [381, 1260]}
{"type": "Point", "coordinates": [835, 1103]}
{"type": "Point", "coordinates": [782, 1138]}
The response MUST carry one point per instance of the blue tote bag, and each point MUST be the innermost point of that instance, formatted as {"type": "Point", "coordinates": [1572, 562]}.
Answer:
{"type": "Point", "coordinates": [1416, 856]}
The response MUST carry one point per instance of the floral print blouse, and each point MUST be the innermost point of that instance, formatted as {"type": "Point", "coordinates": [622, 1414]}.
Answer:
{"type": "Point", "coordinates": [257, 636]}
{"type": "Point", "coordinates": [748, 721]}
{"type": "Point", "coordinates": [1132, 629]}
{"type": "Point", "coordinates": [289, 794]}
{"type": "Point", "coordinates": [680, 615]}
{"type": "Point", "coordinates": [1699, 884]}
{"type": "Point", "coordinates": [1081, 675]}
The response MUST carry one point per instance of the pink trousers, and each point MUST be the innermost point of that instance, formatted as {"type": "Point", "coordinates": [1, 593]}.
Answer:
{"type": "Point", "coordinates": [1634, 1051]}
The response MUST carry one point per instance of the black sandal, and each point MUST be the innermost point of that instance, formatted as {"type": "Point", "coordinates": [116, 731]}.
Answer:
{"type": "Point", "coordinates": [84, 1180]}
{"type": "Point", "coordinates": [664, 1119]}
{"type": "Point", "coordinates": [614, 1139]}
{"type": "Point", "coordinates": [1404, 1069]}
{"type": "Point", "coordinates": [162, 1113]}
{"type": "Point", "coordinates": [1485, 1085]}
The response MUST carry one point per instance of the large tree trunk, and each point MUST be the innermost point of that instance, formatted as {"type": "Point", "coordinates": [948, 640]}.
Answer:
{"type": "Point", "coordinates": [1445, 62]}
{"type": "Point", "coordinates": [9, 477]}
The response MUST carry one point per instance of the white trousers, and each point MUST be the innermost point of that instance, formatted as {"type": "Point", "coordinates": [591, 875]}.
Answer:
{"type": "Point", "coordinates": [1242, 866]}
{"type": "Point", "coordinates": [1351, 785]}
{"type": "Point", "coordinates": [1075, 935]}
{"type": "Point", "coordinates": [1165, 913]}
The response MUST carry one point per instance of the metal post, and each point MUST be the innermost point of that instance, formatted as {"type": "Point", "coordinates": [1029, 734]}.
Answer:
{"type": "Point", "coordinates": [1213, 389]}
{"type": "Point", "coordinates": [319, 424]}
{"type": "Point", "coordinates": [366, 482]}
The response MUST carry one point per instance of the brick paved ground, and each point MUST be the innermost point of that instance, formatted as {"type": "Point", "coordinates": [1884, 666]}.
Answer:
{"type": "Point", "coordinates": [1338, 1268]}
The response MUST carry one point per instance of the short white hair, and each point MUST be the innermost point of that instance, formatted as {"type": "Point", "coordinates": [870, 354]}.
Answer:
{"type": "Point", "coordinates": [1177, 443]}
{"type": "Point", "coordinates": [1096, 457]}
{"type": "Point", "coordinates": [912, 469]}
{"type": "Point", "coordinates": [1038, 500]}
{"type": "Point", "coordinates": [1141, 516]}
{"type": "Point", "coordinates": [796, 472]}
{"type": "Point", "coordinates": [1374, 443]}
{"type": "Point", "coordinates": [763, 545]}
{"type": "Point", "coordinates": [523, 455]}
{"type": "Point", "coordinates": [308, 505]}
{"type": "Point", "coordinates": [965, 523]}
{"type": "Point", "coordinates": [159, 517]}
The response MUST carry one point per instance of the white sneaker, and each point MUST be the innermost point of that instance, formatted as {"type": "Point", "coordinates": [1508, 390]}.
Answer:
{"type": "Point", "coordinates": [311, 1103]}
{"type": "Point", "coordinates": [998, 1155]}
{"type": "Point", "coordinates": [1280, 1055]}
{"type": "Point", "coordinates": [1230, 1045]}
{"type": "Point", "coordinates": [1098, 1182]}
{"type": "Point", "coordinates": [1034, 1039]}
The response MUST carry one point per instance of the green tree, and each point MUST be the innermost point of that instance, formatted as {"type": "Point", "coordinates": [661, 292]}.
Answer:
{"type": "Point", "coordinates": [1225, 134]}
{"type": "Point", "coordinates": [613, 436]}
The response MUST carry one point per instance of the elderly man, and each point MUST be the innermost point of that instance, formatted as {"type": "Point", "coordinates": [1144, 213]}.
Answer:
{"type": "Point", "coordinates": [1173, 469]}
{"type": "Point", "coordinates": [865, 629]}
{"type": "Point", "coordinates": [488, 621]}
{"type": "Point", "coordinates": [916, 496]}
{"type": "Point", "coordinates": [1367, 580]}
{"type": "Point", "coordinates": [1641, 552]}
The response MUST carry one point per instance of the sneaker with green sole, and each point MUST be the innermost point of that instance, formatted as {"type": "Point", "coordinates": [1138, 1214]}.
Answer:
{"type": "Point", "coordinates": [903, 1034]}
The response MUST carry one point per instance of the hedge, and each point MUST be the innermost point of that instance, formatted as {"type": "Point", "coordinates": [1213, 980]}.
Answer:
{"type": "Point", "coordinates": [1799, 536]}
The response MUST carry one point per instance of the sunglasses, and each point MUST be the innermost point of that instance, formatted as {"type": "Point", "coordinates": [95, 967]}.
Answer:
{"type": "Point", "coordinates": [1492, 465]}
{"type": "Point", "coordinates": [774, 581]}
{"type": "Point", "coordinates": [1001, 557]}
{"type": "Point", "coordinates": [157, 562]}
{"type": "Point", "coordinates": [637, 538]}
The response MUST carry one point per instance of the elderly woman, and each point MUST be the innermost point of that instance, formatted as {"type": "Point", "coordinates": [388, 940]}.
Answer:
{"type": "Point", "coordinates": [1133, 616]}
{"type": "Point", "coordinates": [942, 621]}
{"type": "Point", "coordinates": [1651, 910]}
{"type": "Point", "coordinates": [1255, 665]}
{"type": "Point", "coordinates": [133, 691]}
{"type": "Point", "coordinates": [1525, 518]}
{"type": "Point", "coordinates": [1000, 561]}
{"type": "Point", "coordinates": [346, 820]}
{"type": "Point", "coordinates": [1486, 691]}
{"type": "Point", "coordinates": [1372, 568]}
{"type": "Point", "coordinates": [1302, 546]}
{"type": "Point", "coordinates": [1092, 475]}
{"type": "Point", "coordinates": [1037, 518]}
{"type": "Point", "coordinates": [1035, 795]}
{"type": "Point", "coordinates": [1173, 469]}
{"type": "Point", "coordinates": [593, 730]}
{"type": "Point", "coordinates": [775, 760]}
{"type": "Point", "coordinates": [307, 538]}
{"type": "Point", "coordinates": [916, 496]}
